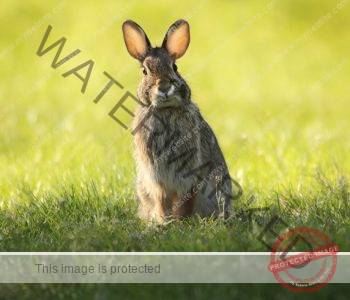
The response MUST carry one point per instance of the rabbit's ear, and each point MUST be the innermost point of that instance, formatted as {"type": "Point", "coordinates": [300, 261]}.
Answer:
{"type": "Point", "coordinates": [136, 40]}
{"type": "Point", "coordinates": [177, 39]}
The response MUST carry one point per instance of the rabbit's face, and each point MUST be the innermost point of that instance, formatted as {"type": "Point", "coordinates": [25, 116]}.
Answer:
{"type": "Point", "coordinates": [162, 85]}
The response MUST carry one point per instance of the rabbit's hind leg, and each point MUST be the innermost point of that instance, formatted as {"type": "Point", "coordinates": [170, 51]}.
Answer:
{"type": "Point", "coordinates": [145, 208]}
{"type": "Point", "coordinates": [154, 203]}
{"type": "Point", "coordinates": [183, 206]}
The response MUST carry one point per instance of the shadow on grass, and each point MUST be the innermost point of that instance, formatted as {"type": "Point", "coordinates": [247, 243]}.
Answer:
{"type": "Point", "coordinates": [166, 291]}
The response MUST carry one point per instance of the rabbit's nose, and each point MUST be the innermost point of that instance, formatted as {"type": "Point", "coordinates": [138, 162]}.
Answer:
{"type": "Point", "coordinates": [164, 87]}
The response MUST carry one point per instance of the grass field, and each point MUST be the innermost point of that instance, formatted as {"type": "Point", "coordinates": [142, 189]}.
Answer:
{"type": "Point", "coordinates": [269, 76]}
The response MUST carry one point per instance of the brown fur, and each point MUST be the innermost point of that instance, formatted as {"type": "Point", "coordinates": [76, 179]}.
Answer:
{"type": "Point", "coordinates": [175, 148]}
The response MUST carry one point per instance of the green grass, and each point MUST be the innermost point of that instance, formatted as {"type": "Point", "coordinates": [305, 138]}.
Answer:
{"type": "Point", "coordinates": [86, 219]}
{"type": "Point", "coordinates": [268, 77]}
{"type": "Point", "coordinates": [171, 291]}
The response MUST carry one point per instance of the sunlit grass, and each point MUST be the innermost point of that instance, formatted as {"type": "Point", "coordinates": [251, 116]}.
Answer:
{"type": "Point", "coordinates": [271, 77]}
{"type": "Point", "coordinates": [277, 101]}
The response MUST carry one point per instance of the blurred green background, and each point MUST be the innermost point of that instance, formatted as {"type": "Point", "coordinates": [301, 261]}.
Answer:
{"type": "Point", "coordinates": [271, 77]}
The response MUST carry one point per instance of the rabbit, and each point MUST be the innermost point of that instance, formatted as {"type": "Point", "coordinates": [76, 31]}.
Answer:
{"type": "Point", "coordinates": [180, 168]}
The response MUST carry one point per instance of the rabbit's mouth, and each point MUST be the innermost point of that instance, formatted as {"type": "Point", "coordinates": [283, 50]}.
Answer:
{"type": "Point", "coordinates": [168, 98]}
{"type": "Point", "coordinates": [162, 102]}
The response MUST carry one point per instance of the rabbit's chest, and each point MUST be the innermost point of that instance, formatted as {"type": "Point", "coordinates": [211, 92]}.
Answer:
{"type": "Point", "coordinates": [172, 150]}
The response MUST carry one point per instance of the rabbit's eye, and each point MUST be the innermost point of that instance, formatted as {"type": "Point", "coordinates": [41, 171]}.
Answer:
{"type": "Point", "coordinates": [175, 67]}
{"type": "Point", "coordinates": [144, 71]}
